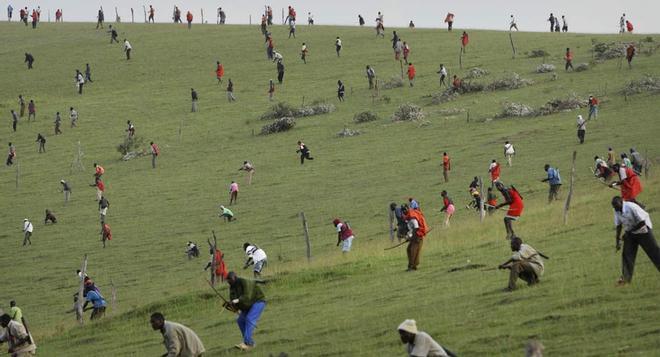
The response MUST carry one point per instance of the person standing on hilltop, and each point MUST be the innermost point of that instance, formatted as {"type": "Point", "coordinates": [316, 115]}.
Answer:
{"type": "Point", "coordinates": [151, 14]}
{"type": "Point", "coordinates": [446, 166]}
{"type": "Point", "coordinates": [100, 18]}
{"type": "Point", "coordinates": [113, 34]}
{"type": "Point", "coordinates": [509, 152]}
{"type": "Point", "coordinates": [552, 20]}
{"type": "Point", "coordinates": [564, 27]}
{"type": "Point", "coordinates": [514, 200]}
{"type": "Point", "coordinates": [360, 20]}
{"type": "Point", "coordinates": [465, 40]}
{"type": "Point", "coordinates": [189, 19]}
{"type": "Point", "coordinates": [635, 223]}
{"type": "Point", "coordinates": [449, 19]}
{"type": "Point", "coordinates": [512, 24]}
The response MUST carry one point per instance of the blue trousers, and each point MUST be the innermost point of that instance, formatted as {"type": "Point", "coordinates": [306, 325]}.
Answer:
{"type": "Point", "coordinates": [247, 321]}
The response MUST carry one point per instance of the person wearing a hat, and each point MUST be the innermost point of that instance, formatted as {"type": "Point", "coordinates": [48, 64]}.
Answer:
{"type": "Point", "coordinates": [27, 229]}
{"type": "Point", "coordinates": [250, 300]}
{"type": "Point", "coordinates": [419, 343]}
{"type": "Point", "coordinates": [226, 213]}
{"type": "Point", "coordinates": [344, 235]}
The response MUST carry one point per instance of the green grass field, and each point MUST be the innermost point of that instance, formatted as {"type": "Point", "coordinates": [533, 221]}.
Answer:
{"type": "Point", "coordinates": [336, 305]}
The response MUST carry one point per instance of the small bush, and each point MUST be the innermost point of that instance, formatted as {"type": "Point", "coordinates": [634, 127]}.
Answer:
{"type": "Point", "coordinates": [394, 82]}
{"type": "Point", "coordinates": [604, 51]}
{"type": "Point", "coordinates": [444, 97]}
{"type": "Point", "coordinates": [513, 81]}
{"type": "Point", "coordinates": [279, 110]}
{"type": "Point", "coordinates": [451, 111]}
{"type": "Point", "coordinates": [130, 145]}
{"type": "Point", "coordinates": [647, 83]}
{"type": "Point", "coordinates": [279, 125]}
{"type": "Point", "coordinates": [315, 109]}
{"type": "Point", "coordinates": [346, 132]}
{"type": "Point", "coordinates": [562, 105]}
{"type": "Point", "coordinates": [581, 67]}
{"type": "Point", "coordinates": [408, 112]}
{"type": "Point", "coordinates": [364, 117]}
{"type": "Point", "coordinates": [538, 53]}
{"type": "Point", "coordinates": [476, 72]}
{"type": "Point", "coordinates": [545, 68]}
{"type": "Point", "coordinates": [516, 110]}
{"type": "Point", "coordinates": [648, 39]}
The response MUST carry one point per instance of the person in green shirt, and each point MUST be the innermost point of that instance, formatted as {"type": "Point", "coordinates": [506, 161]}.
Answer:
{"type": "Point", "coordinates": [15, 312]}
{"type": "Point", "coordinates": [250, 300]}
{"type": "Point", "coordinates": [226, 213]}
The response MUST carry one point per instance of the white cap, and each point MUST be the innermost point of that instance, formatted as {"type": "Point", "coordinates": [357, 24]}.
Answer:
{"type": "Point", "coordinates": [408, 326]}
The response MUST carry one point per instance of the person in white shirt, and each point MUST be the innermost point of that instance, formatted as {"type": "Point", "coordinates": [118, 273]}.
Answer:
{"type": "Point", "coordinates": [127, 49]}
{"type": "Point", "coordinates": [564, 26]}
{"type": "Point", "coordinates": [443, 75]}
{"type": "Point", "coordinates": [525, 263]}
{"type": "Point", "coordinates": [338, 45]}
{"type": "Point", "coordinates": [192, 251]}
{"type": "Point", "coordinates": [419, 343]}
{"type": "Point", "coordinates": [509, 152]}
{"type": "Point", "coordinates": [27, 230]}
{"type": "Point", "coordinates": [513, 24]}
{"type": "Point", "coordinates": [249, 168]}
{"type": "Point", "coordinates": [310, 19]}
{"type": "Point", "coordinates": [636, 224]}
{"type": "Point", "coordinates": [255, 256]}
{"type": "Point", "coordinates": [277, 56]}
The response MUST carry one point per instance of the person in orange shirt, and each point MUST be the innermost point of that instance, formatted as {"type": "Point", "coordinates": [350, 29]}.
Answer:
{"type": "Point", "coordinates": [630, 53]}
{"type": "Point", "coordinates": [189, 18]}
{"type": "Point", "coordinates": [494, 170]}
{"type": "Point", "coordinates": [569, 59]}
{"type": "Point", "coordinates": [219, 71]}
{"type": "Point", "coordinates": [411, 74]}
{"type": "Point", "coordinates": [417, 230]}
{"type": "Point", "coordinates": [106, 233]}
{"type": "Point", "coordinates": [446, 166]}
{"type": "Point", "coordinates": [465, 39]}
{"type": "Point", "coordinates": [456, 83]}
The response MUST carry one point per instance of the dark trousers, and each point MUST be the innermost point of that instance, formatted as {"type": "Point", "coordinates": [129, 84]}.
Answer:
{"type": "Point", "coordinates": [128, 54]}
{"type": "Point", "coordinates": [414, 250]}
{"type": "Point", "coordinates": [153, 161]}
{"type": "Point", "coordinates": [10, 160]}
{"type": "Point", "coordinates": [13, 125]}
{"type": "Point", "coordinates": [29, 64]}
{"type": "Point", "coordinates": [88, 77]}
{"type": "Point", "coordinates": [80, 87]}
{"type": "Point", "coordinates": [524, 271]}
{"type": "Point", "coordinates": [553, 193]}
{"type": "Point", "coordinates": [113, 38]}
{"type": "Point", "coordinates": [445, 174]}
{"type": "Point", "coordinates": [280, 77]}
{"type": "Point", "coordinates": [305, 155]}
{"type": "Point", "coordinates": [371, 82]}
{"type": "Point", "coordinates": [569, 64]}
{"type": "Point", "coordinates": [233, 197]}
{"type": "Point", "coordinates": [26, 239]}
{"type": "Point", "coordinates": [630, 244]}
{"type": "Point", "coordinates": [580, 134]}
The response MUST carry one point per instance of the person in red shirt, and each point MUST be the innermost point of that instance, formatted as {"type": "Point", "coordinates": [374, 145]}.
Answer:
{"type": "Point", "coordinates": [446, 166]}
{"type": "Point", "coordinates": [106, 233]}
{"type": "Point", "coordinates": [155, 151]}
{"type": "Point", "coordinates": [411, 74]}
{"type": "Point", "coordinates": [456, 83]}
{"type": "Point", "coordinates": [465, 39]}
{"type": "Point", "coordinates": [447, 207]}
{"type": "Point", "coordinates": [630, 53]}
{"type": "Point", "coordinates": [514, 200]}
{"type": "Point", "coordinates": [219, 71]}
{"type": "Point", "coordinates": [98, 170]}
{"type": "Point", "coordinates": [217, 258]}
{"type": "Point", "coordinates": [629, 26]}
{"type": "Point", "coordinates": [189, 18]}
{"type": "Point", "coordinates": [35, 18]}
{"type": "Point", "coordinates": [344, 235]}
{"type": "Point", "coordinates": [569, 59]}
{"type": "Point", "coordinates": [406, 51]}
{"type": "Point", "coordinates": [629, 183]}
{"type": "Point", "coordinates": [494, 170]}
{"type": "Point", "coordinates": [100, 187]}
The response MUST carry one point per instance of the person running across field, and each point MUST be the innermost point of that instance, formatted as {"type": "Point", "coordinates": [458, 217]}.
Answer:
{"type": "Point", "coordinates": [249, 168]}
{"type": "Point", "coordinates": [446, 166]}
{"type": "Point", "coordinates": [219, 71]}
{"type": "Point", "coordinates": [11, 155]}
{"type": "Point", "coordinates": [494, 171]}
{"type": "Point", "coordinates": [554, 180]}
{"type": "Point", "coordinates": [338, 45]}
{"type": "Point", "coordinates": [106, 233]}
{"type": "Point", "coordinates": [411, 74]}
{"type": "Point", "coordinates": [420, 343]}
{"type": "Point", "coordinates": [303, 150]}
{"type": "Point", "coordinates": [509, 152]}
{"type": "Point", "coordinates": [514, 200]}
{"type": "Point", "coordinates": [250, 300]}
{"type": "Point", "coordinates": [629, 182]}
{"type": "Point", "coordinates": [447, 207]}
{"type": "Point", "coordinates": [178, 339]}
{"type": "Point", "coordinates": [66, 189]}
{"type": "Point", "coordinates": [192, 250]}
{"type": "Point", "coordinates": [104, 204]}
{"type": "Point", "coordinates": [226, 214]}
{"type": "Point", "coordinates": [344, 235]}
{"type": "Point", "coordinates": [255, 256]}
{"type": "Point", "coordinates": [417, 230]}
{"type": "Point", "coordinates": [28, 228]}
{"type": "Point", "coordinates": [230, 91]}
{"type": "Point", "coordinates": [568, 57]}
{"type": "Point", "coordinates": [526, 263]}
{"type": "Point", "coordinates": [637, 228]}
{"type": "Point", "coordinates": [513, 24]}
{"type": "Point", "coordinates": [113, 34]}
{"type": "Point", "coordinates": [340, 90]}
{"type": "Point", "coordinates": [303, 53]}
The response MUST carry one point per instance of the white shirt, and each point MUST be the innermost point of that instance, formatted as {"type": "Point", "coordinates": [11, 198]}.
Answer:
{"type": "Point", "coordinates": [424, 345]}
{"type": "Point", "coordinates": [509, 149]}
{"type": "Point", "coordinates": [27, 226]}
{"type": "Point", "coordinates": [582, 124]}
{"type": "Point", "coordinates": [338, 42]}
{"type": "Point", "coordinates": [304, 48]}
{"type": "Point", "coordinates": [530, 254]}
{"type": "Point", "coordinates": [74, 114]}
{"type": "Point", "coordinates": [257, 254]}
{"type": "Point", "coordinates": [81, 79]}
{"type": "Point", "coordinates": [443, 71]}
{"type": "Point", "coordinates": [127, 45]}
{"type": "Point", "coordinates": [513, 20]}
{"type": "Point", "coordinates": [630, 215]}
{"type": "Point", "coordinates": [622, 173]}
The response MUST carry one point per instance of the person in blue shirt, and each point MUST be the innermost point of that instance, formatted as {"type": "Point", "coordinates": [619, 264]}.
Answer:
{"type": "Point", "coordinates": [413, 203]}
{"type": "Point", "coordinates": [94, 296]}
{"type": "Point", "coordinates": [554, 180]}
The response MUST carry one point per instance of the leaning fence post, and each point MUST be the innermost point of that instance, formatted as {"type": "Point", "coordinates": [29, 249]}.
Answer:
{"type": "Point", "coordinates": [391, 213]}
{"type": "Point", "coordinates": [79, 303]}
{"type": "Point", "coordinates": [306, 233]}
{"type": "Point", "coordinates": [482, 211]}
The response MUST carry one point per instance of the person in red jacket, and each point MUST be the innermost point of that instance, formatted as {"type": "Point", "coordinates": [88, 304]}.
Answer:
{"type": "Point", "coordinates": [417, 230]}
{"type": "Point", "coordinates": [189, 18]}
{"type": "Point", "coordinates": [406, 51]}
{"type": "Point", "coordinates": [446, 166]}
{"type": "Point", "coordinates": [514, 200]}
{"type": "Point", "coordinates": [100, 187]}
{"type": "Point", "coordinates": [630, 53]}
{"type": "Point", "coordinates": [344, 235]}
{"type": "Point", "coordinates": [411, 74]}
{"type": "Point", "coordinates": [106, 233]}
{"type": "Point", "coordinates": [494, 170]}
{"type": "Point", "coordinates": [629, 26]}
{"type": "Point", "coordinates": [217, 258]}
{"type": "Point", "coordinates": [98, 170]}
{"type": "Point", "coordinates": [219, 71]}
{"type": "Point", "coordinates": [465, 39]}
{"type": "Point", "coordinates": [629, 183]}
{"type": "Point", "coordinates": [568, 57]}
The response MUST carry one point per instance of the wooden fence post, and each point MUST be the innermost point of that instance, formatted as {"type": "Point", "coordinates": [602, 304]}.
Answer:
{"type": "Point", "coordinates": [570, 189]}
{"type": "Point", "coordinates": [460, 59]}
{"type": "Point", "coordinates": [81, 288]}
{"type": "Point", "coordinates": [646, 163]}
{"type": "Point", "coordinates": [513, 47]}
{"type": "Point", "coordinates": [306, 232]}
{"type": "Point", "coordinates": [482, 211]}
{"type": "Point", "coordinates": [202, 11]}
{"type": "Point", "coordinates": [132, 16]}
{"type": "Point", "coordinates": [18, 173]}
{"type": "Point", "coordinates": [113, 298]}
{"type": "Point", "coordinates": [391, 213]}
{"type": "Point", "coordinates": [144, 8]}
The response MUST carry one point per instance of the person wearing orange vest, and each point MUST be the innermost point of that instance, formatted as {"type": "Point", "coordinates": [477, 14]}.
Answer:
{"type": "Point", "coordinates": [593, 107]}
{"type": "Point", "coordinates": [514, 200]}
{"type": "Point", "coordinates": [569, 59]}
{"type": "Point", "coordinates": [446, 166]}
{"type": "Point", "coordinates": [494, 170]}
{"type": "Point", "coordinates": [189, 18]}
{"type": "Point", "coordinates": [100, 187]}
{"type": "Point", "coordinates": [629, 183]}
{"type": "Point", "coordinates": [411, 73]}
{"type": "Point", "coordinates": [465, 39]}
{"type": "Point", "coordinates": [106, 233]}
{"type": "Point", "coordinates": [219, 71]}
{"type": "Point", "coordinates": [155, 151]}
{"type": "Point", "coordinates": [417, 230]}
{"type": "Point", "coordinates": [344, 235]}
{"type": "Point", "coordinates": [217, 257]}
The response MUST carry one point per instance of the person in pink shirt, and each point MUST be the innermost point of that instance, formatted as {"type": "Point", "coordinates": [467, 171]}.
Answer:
{"type": "Point", "coordinates": [233, 192]}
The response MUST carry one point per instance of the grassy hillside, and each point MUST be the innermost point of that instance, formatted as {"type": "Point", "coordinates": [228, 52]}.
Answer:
{"type": "Point", "coordinates": [335, 305]}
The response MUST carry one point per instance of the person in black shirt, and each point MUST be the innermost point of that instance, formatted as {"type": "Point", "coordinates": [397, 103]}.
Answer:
{"type": "Point", "coordinates": [340, 91]}
{"type": "Point", "coordinates": [193, 95]}
{"type": "Point", "coordinates": [280, 71]}
{"type": "Point", "coordinates": [113, 34]}
{"type": "Point", "coordinates": [29, 59]}
{"type": "Point", "coordinates": [42, 143]}
{"type": "Point", "coordinates": [304, 152]}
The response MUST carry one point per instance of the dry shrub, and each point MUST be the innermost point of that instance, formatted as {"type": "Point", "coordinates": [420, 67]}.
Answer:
{"type": "Point", "coordinates": [513, 81]}
{"type": "Point", "coordinates": [364, 117]}
{"type": "Point", "coordinates": [476, 72]}
{"type": "Point", "coordinates": [346, 132]}
{"type": "Point", "coordinates": [279, 125]}
{"type": "Point", "coordinates": [545, 68]}
{"type": "Point", "coordinates": [394, 82]}
{"type": "Point", "coordinates": [646, 84]}
{"type": "Point", "coordinates": [408, 112]}
{"type": "Point", "coordinates": [538, 53]}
